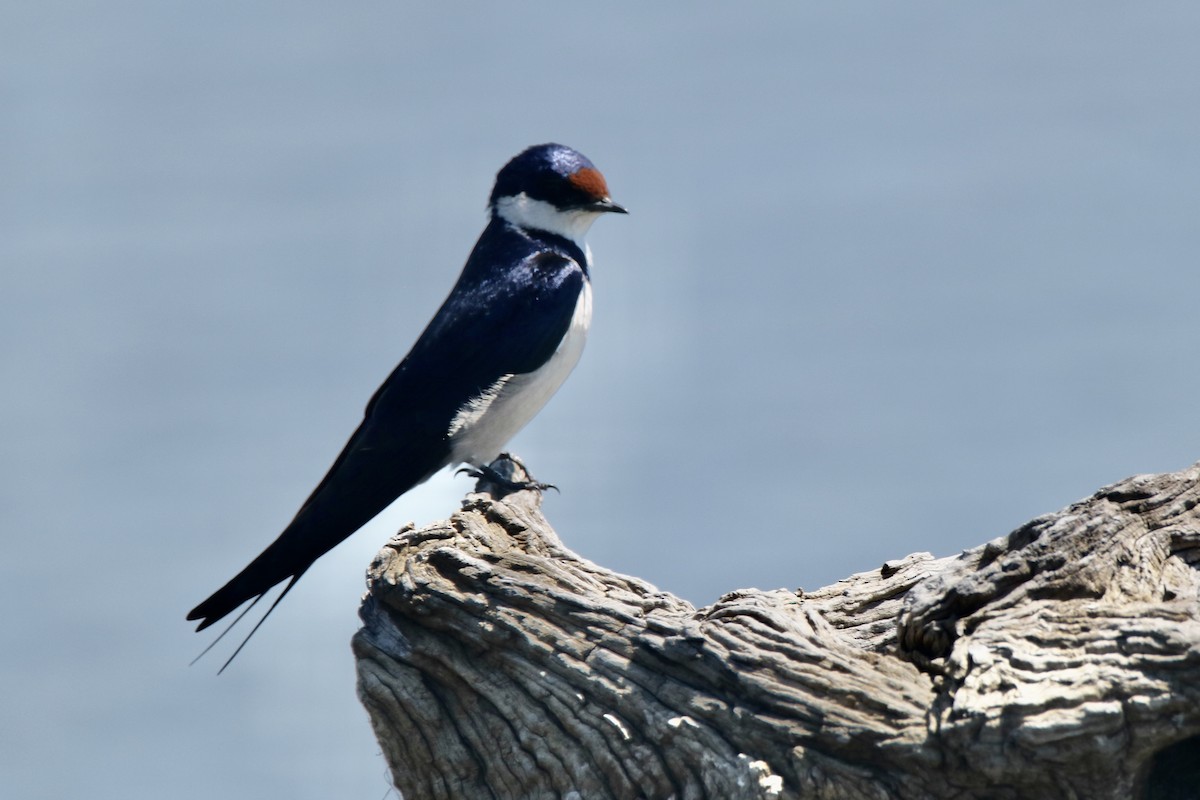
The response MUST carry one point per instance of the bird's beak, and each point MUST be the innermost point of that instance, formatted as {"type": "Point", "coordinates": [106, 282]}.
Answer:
{"type": "Point", "coordinates": [607, 204]}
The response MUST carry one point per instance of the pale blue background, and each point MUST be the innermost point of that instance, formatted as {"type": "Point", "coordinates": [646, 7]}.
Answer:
{"type": "Point", "coordinates": [897, 278]}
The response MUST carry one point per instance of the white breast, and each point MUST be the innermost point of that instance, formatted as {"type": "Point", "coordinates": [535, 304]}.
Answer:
{"type": "Point", "coordinates": [484, 425]}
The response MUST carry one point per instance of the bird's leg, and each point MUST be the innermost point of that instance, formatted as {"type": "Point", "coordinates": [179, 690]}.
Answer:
{"type": "Point", "coordinates": [507, 473]}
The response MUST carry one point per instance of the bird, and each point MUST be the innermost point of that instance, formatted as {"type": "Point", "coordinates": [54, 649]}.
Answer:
{"type": "Point", "coordinates": [504, 340]}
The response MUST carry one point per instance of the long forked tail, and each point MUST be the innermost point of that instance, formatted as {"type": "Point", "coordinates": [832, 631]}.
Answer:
{"type": "Point", "coordinates": [252, 583]}
{"type": "Point", "coordinates": [238, 619]}
{"type": "Point", "coordinates": [361, 483]}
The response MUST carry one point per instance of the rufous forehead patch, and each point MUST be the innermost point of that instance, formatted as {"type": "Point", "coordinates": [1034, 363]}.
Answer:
{"type": "Point", "coordinates": [590, 180]}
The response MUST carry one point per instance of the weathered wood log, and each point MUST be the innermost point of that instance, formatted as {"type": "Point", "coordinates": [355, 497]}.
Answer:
{"type": "Point", "coordinates": [1060, 661]}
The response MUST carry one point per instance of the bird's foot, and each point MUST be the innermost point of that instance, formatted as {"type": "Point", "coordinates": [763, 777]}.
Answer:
{"type": "Point", "coordinates": [506, 473]}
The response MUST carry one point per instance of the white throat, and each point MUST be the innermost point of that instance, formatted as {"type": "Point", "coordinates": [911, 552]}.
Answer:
{"type": "Point", "coordinates": [525, 212]}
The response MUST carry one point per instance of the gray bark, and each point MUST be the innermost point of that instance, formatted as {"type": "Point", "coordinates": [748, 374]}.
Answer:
{"type": "Point", "coordinates": [1060, 661]}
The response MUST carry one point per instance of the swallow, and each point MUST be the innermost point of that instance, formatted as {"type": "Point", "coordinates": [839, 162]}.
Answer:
{"type": "Point", "coordinates": [504, 340]}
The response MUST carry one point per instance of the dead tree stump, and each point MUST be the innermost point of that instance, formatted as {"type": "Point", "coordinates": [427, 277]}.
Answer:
{"type": "Point", "coordinates": [1060, 661]}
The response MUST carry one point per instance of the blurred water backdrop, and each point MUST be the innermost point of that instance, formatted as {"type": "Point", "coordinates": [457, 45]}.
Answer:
{"type": "Point", "coordinates": [898, 277]}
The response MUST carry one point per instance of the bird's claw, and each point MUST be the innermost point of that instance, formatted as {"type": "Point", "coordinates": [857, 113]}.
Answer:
{"type": "Point", "coordinates": [492, 475]}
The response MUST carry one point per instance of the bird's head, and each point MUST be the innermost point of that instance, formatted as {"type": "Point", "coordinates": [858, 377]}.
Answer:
{"type": "Point", "coordinates": [553, 188]}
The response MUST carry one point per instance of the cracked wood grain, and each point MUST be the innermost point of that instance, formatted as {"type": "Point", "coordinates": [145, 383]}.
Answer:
{"type": "Point", "coordinates": [1062, 660]}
